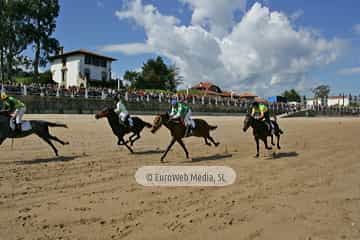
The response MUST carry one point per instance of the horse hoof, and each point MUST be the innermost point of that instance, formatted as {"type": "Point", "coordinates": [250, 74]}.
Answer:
{"type": "Point", "coordinates": [273, 144]}
{"type": "Point", "coordinates": [270, 148]}
{"type": "Point", "coordinates": [256, 156]}
{"type": "Point", "coordinates": [217, 144]}
{"type": "Point", "coordinates": [66, 143]}
{"type": "Point", "coordinates": [279, 147]}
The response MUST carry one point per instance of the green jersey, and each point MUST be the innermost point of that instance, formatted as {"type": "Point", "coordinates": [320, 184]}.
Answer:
{"type": "Point", "coordinates": [180, 109]}
{"type": "Point", "coordinates": [261, 109]}
{"type": "Point", "coordinates": [11, 104]}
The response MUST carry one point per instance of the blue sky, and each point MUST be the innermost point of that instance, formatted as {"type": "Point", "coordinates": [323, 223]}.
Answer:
{"type": "Point", "coordinates": [93, 25]}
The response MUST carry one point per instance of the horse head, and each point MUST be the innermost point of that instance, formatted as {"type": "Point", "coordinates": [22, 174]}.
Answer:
{"type": "Point", "coordinates": [247, 122]}
{"type": "Point", "coordinates": [159, 120]}
{"type": "Point", "coordinates": [106, 112]}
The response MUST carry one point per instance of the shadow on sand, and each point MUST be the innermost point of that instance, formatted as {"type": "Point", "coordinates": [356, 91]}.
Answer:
{"type": "Point", "coordinates": [148, 152]}
{"type": "Point", "coordinates": [284, 155]}
{"type": "Point", "coordinates": [212, 157]}
{"type": "Point", "coordinates": [48, 160]}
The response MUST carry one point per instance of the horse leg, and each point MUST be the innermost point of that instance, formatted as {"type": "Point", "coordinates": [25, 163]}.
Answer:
{"type": "Point", "coordinates": [134, 140]}
{"type": "Point", "coordinates": [50, 143]}
{"type": "Point", "coordinates": [257, 147]}
{"type": "Point", "coordinates": [266, 144]}
{"type": "Point", "coordinates": [183, 147]}
{"type": "Point", "coordinates": [130, 138]}
{"type": "Point", "coordinates": [272, 140]}
{"type": "Point", "coordinates": [213, 141]}
{"type": "Point", "coordinates": [206, 142]}
{"type": "Point", "coordinates": [57, 140]}
{"type": "Point", "coordinates": [129, 148]}
{"type": "Point", "coordinates": [121, 141]}
{"type": "Point", "coordinates": [1, 140]}
{"type": "Point", "coordinates": [278, 141]}
{"type": "Point", "coordinates": [167, 150]}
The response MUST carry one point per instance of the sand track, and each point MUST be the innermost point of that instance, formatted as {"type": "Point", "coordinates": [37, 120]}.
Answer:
{"type": "Point", "coordinates": [310, 191]}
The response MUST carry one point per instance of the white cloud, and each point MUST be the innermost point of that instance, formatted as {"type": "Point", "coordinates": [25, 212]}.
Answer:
{"type": "Point", "coordinates": [349, 71]}
{"type": "Point", "coordinates": [262, 53]}
{"type": "Point", "coordinates": [128, 49]}
{"type": "Point", "coordinates": [218, 16]}
{"type": "Point", "coordinates": [356, 28]}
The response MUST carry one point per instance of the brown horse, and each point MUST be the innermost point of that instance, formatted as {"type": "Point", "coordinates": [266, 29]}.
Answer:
{"type": "Point", "coordinates": [261, 131]}
{"type": "Point", "coordinates": [120, 130]}
{"type": "Point", "coordinates": [202, 129]}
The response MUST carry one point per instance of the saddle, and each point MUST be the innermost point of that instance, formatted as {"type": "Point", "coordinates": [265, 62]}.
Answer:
{"type": "Point", "coordinates": [127, 122]}
{"type": "Point", "coordinates": [25, 125]}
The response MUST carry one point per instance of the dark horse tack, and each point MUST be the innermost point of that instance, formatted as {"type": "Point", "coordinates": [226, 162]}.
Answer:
{"type": "Point", "coordinates": [202, 129]}
{"type": "Point", "coordinates": [39, 128]}
{"type": "Point", "coordinates": [120, 130]}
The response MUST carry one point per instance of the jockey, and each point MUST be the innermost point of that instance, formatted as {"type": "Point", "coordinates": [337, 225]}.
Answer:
{"type": "Point", "coordinates": [182, 111]}
{"type": "Point", "coordinates": [263, 110]}
{"type": "Point", "coordinates": [15, 106]}
{"type": "Point", "coordinates": [121, 110]}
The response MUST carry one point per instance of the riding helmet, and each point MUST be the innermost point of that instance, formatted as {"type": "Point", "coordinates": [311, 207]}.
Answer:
{"type": "Point", "coordinates": [3, 96]}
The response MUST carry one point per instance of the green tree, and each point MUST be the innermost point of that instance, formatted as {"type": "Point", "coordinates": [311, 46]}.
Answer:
{"type": "Point", "coordinates": [43, 14]}
{"type": "Point", "coordinates": [154, 74]}
{"type": "Point", "coordinates": [131, 76]}
{"type": "Point", "coordinates": [292, 95]}
{"type": "Point", "coordinates": [14, 34]}
{"type": "Point", "coordinates": [321, 91]}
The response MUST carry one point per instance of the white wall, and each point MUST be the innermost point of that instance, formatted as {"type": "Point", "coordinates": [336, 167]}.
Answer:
{"type": "Point", "coordinates": [73, 66]}
{"type": "Point", "coordinates": [330, 101]}
{"type": "Point", "coordinates": [338, 101]}
{"type": "Point", "coordinates": [55, 69]}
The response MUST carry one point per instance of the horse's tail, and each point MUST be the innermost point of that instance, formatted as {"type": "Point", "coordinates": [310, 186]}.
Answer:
{"type": "Point", "coordinates": [212, 127]}
{"type": "Point", "coordinates": [51, 124]}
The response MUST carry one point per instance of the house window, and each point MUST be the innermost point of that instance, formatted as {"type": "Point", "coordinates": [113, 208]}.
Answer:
{"type": "Point", "coordinates": [103, 76]}
{"type": "Point", "coordinates": [87, 59]}
{"type": "Point", "coordinates": [87, 73]}
{"type": "Point", "coordinates": [103, 63]}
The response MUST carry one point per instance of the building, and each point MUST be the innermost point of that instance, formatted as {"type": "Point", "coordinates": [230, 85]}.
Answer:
{"type": "Point", "coordinates": [249, 97]}
{"type": "Point", "coordinates": [330, 101]}
{"type": "Point", "coordinates": [77, 67]}
{"type": "Point", "coordinates": [277, 99]}
{"type": "Point", "coordinates": [208, 88]}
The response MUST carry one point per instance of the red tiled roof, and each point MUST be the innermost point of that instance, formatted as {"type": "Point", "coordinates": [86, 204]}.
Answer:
{"type": "Point", "coordinates": [246, 94]}
{"type": "Point", "coordinates": [82, 51]}
{"type": "Point", "coordinates": [205, 85]}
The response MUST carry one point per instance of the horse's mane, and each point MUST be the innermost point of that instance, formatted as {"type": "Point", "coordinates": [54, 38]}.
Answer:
{"type": "Point", "coordinates": [5, 114]}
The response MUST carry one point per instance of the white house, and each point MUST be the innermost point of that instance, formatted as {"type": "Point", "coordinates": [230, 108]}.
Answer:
{"type": "Point", "coordinates": [75, 68]}
{"type": "Point", "coordinates": [331, 101]}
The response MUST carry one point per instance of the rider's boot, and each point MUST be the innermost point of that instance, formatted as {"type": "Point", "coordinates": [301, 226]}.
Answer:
{"type": "Point", "coordinates": [270, 130]}
{"type": "Point", "coordinates": [187, 131]}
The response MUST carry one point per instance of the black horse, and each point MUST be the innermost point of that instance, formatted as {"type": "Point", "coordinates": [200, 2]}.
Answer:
{"type": "Point", "coordinates": [202, 129]}
{"type": "Point", "coordinates": [40, 128]}
{"type": "Point", "coordinates": [121, 130]}
{"type": "Point", "coordinates": [261, 131]}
